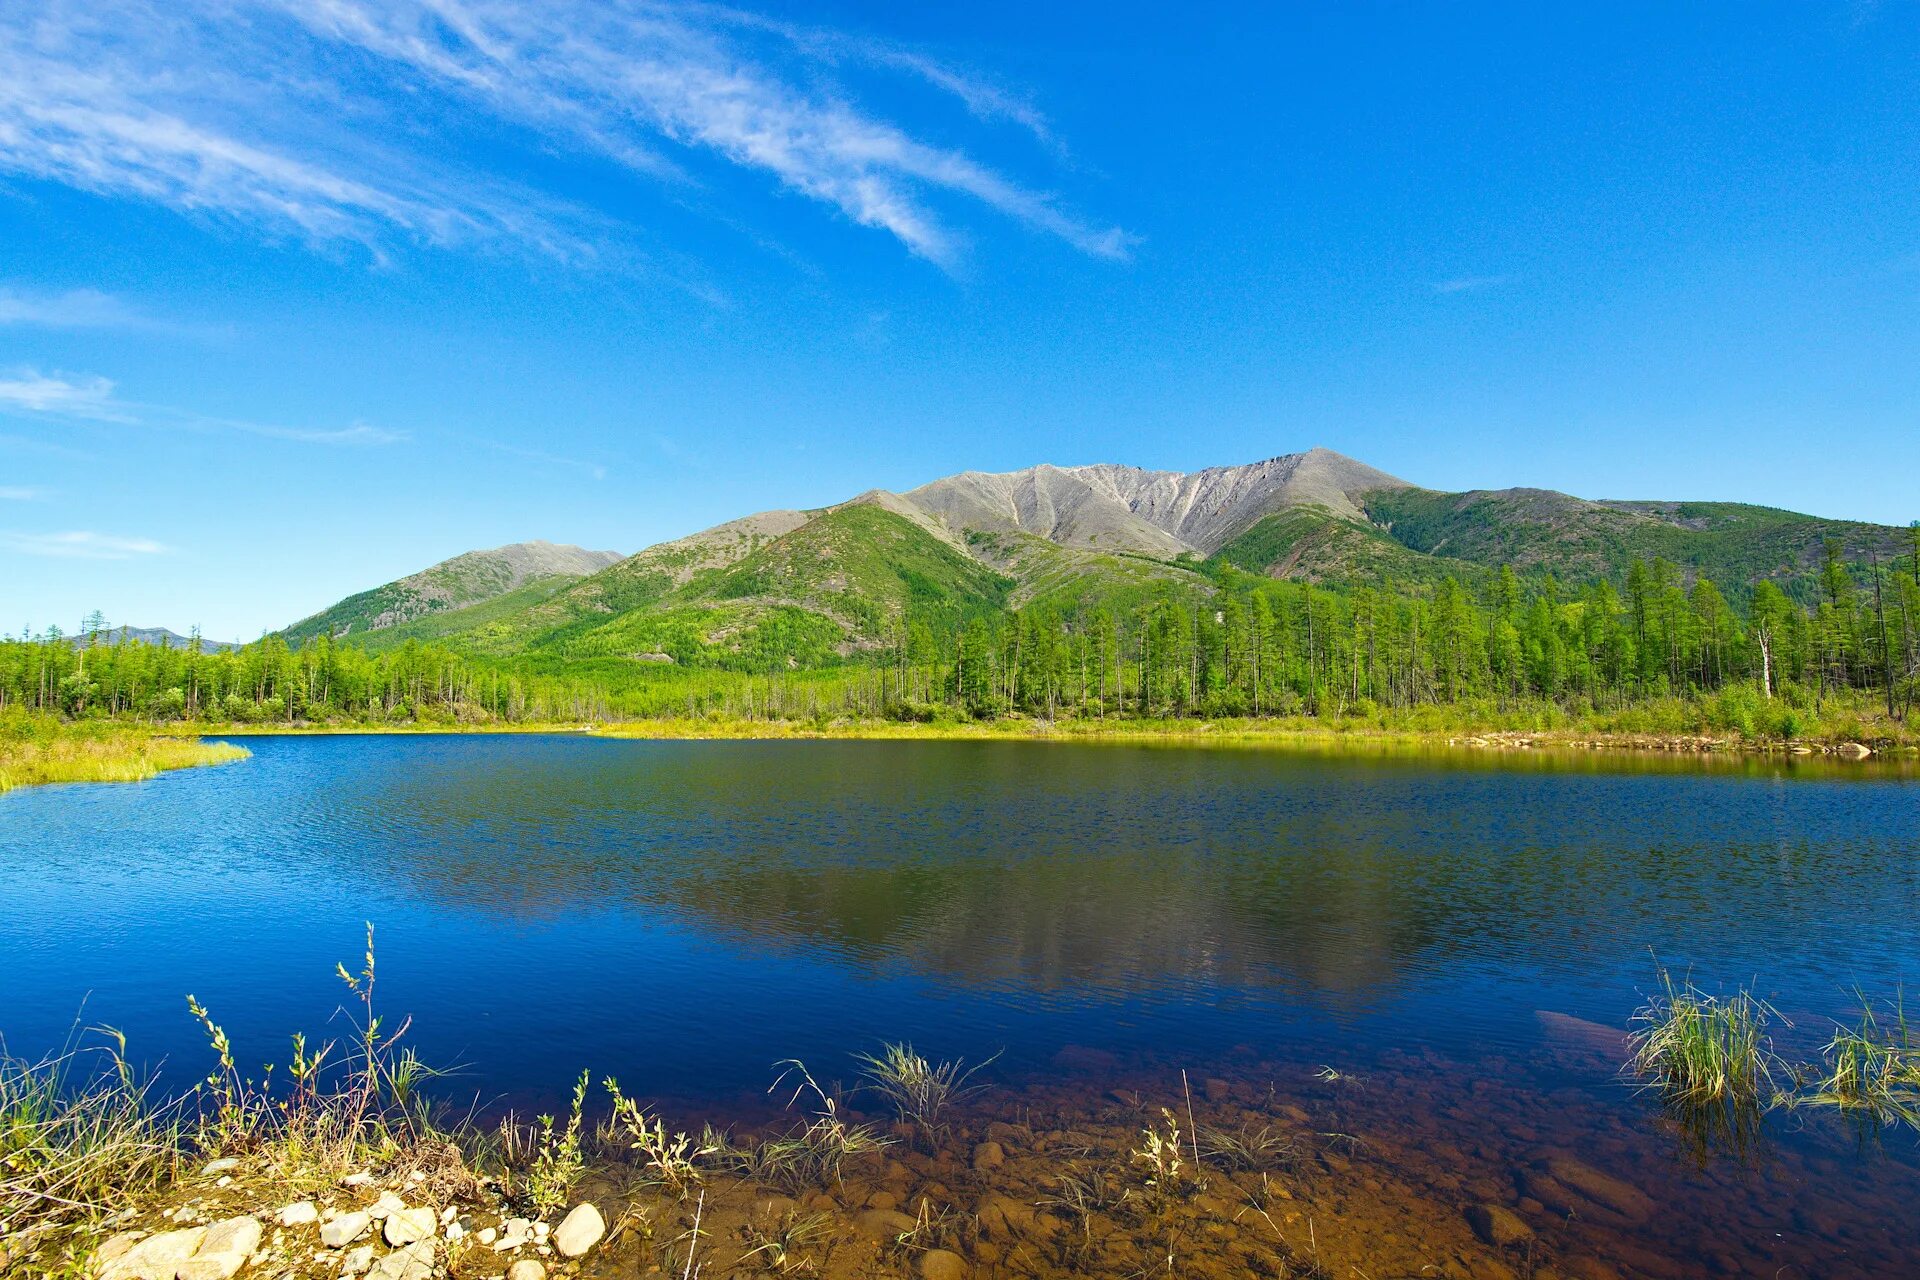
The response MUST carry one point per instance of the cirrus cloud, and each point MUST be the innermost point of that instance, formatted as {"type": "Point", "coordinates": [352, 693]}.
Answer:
{"type": "Point", "coordinates": [80, 544]}
{"type": "Point", "coordinates": [440, 121]}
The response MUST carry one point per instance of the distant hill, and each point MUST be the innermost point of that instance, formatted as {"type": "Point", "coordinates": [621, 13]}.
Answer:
{"type": "Point", "coordinates": [152, 635]}
{"type": "Point", "coordinates": [465, 580]}
{"type": "Point", "coordinates": [797, 587]}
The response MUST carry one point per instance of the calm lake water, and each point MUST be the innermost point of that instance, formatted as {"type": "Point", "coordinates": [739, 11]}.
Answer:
{"type": "Point", "coordinates": [682, 915]}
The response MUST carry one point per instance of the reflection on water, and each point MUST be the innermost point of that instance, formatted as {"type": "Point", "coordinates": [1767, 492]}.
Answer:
{"type": "Point", "coordinates": [684, 914]}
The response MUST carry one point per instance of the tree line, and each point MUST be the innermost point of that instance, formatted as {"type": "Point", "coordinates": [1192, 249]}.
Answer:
{"type": "Point", "coordinates": [1252, 647]}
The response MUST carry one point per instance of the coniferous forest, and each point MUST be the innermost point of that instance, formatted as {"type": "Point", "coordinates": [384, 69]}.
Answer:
{"type": "Point", "coordinates": [1658, 650]}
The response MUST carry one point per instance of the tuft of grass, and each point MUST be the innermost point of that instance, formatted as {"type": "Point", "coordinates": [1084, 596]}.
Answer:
{"type": "Point", "coordinates": [919, 1090]}
{"type": "Point", "coordinates": [813, 1154]}
{"type": "Point", "coordinates": [80, 1141]}
{"type": "Point", "coordinates": [1702, 1049]}
{"type": "Point", "coordinates": [1872, 1070]}
{"type": "Point", "coordinates": [779, 1249]}
{"type": "Point", "coordinates": [1249, 1148]}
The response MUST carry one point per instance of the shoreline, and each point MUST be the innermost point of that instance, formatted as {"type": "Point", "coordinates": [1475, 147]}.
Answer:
{"type": "Point", "coordinates": [1222, 732]}
{"type": "Point", "coordinates": [118, 751]}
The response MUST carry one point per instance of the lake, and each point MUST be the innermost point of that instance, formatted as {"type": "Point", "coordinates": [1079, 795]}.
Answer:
{"type": "Point", "coordinates": [1416, 953]}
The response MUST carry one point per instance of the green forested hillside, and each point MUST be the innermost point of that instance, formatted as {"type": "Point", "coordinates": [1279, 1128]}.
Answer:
{"type": "Point", "coordinates": [1537, 530]}
{"type": "Point", "coordinates": [473, 578]}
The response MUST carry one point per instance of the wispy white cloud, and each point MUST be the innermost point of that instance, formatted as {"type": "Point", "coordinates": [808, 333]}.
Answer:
{"type": "Point", "coordinates": [1470, 284]}
{"type": "Point", "coordinates": [80, 544]}
{"type": "Point", "coordinates": [342, 120]}
{"type": "Point", "coordinates": [59, 395]}
{"type": "Point", "coordinates": [73, 309]}
{"type": "Point", "coordinates": [18, 493]}
{"type": "Point", "coordinates": [30, 393]}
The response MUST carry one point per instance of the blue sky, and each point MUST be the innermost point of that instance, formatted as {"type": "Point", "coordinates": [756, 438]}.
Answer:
{"type": "Point", "coordinates": [298, 297]}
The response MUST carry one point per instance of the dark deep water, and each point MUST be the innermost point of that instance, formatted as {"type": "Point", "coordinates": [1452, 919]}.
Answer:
{"type": "Point", "coordinates": [682, 915]}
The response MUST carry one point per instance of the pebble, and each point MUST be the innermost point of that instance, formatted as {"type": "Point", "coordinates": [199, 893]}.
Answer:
{"type": "Point", "coordinates": [486, 1235]}
{"type": "Point", "coordinates": [300, 1214]}
{"type": "Point", "coordinates": [989, 1155]}
{"type": "Point", "coordinates": [222, 1165]}
{"type": "Point", "coordinates": [388, 1203]}
{"type": "Point", "coordinates": [354, 1180]}
{"type": "Point", "coordinates": [579, 1231]}
{"type": "Point", "coordinates": [357, 1261]}
{"type": "Point", "coordinates": [526, 1269]}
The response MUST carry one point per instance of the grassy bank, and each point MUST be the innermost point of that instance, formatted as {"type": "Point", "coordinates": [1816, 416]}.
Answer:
{"type": "Point", "coordinates": [36, 750]}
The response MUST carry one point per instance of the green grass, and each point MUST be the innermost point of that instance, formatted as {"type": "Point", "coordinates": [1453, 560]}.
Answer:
{"type": "Point", "coordinates": [38, 750]}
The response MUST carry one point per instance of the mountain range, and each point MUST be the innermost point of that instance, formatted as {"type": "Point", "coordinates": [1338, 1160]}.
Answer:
{"type": "Point", "coordinates": [801, 586]}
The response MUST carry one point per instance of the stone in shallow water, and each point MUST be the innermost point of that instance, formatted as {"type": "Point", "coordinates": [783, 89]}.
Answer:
{"type": "Point", "coordinates": [223, 1251]}
{"type": "Point", "coordinates": [1623, 1198]}
{"type": "Point", "coordinates": [1498, 1225]}
{"type": "Point", "coordinates": [942, 1264]}
{"type": "Point", "coordinates": [345, 1229]}
{"type": "Point", "coordinates": [387, 1204]}
{"type": "Point", "coordinates": [156, 1257]}
{"type": "Point", "coordinates": [579, 1231]}
{"type": "Point", "coordinates": [358, 1260]}
{"type": "Point", "coordinates": [299, 1215]}
{"type": "Point", "coordinates": [883, 1224]}
{"type": "Point", "coordinates": [526, 1269]}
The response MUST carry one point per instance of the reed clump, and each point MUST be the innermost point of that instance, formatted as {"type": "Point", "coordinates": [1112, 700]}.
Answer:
{"type": "Point", "coordinates": [1870, 1069]}
{"type": "Point", "coordinates": [1703, 1049]}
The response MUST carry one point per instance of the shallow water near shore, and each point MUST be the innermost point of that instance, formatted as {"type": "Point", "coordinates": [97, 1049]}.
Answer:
{"type": "Point", "coordinates": [1451, 936]}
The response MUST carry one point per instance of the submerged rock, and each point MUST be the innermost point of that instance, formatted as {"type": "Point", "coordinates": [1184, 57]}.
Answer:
{"type": "Point", "coordinates": [579, 1231]}
{"type": "Point", "coordinates": [940, 1264]}
{"type": "Point", "coordinates": [1498, 1225]}
{"type": "Point", "coordinates": [1623, 1198]}
{"type": "Point", "coordinates": [883, 1224]}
